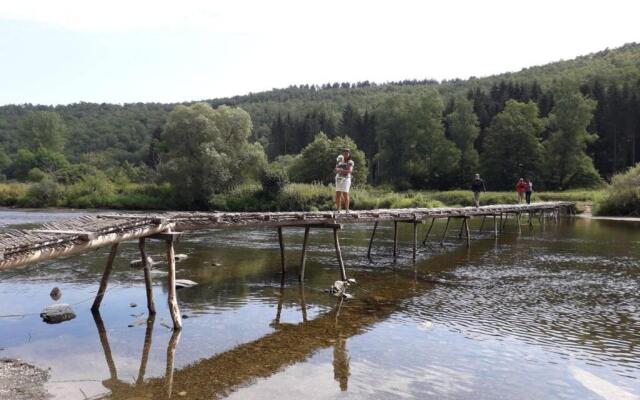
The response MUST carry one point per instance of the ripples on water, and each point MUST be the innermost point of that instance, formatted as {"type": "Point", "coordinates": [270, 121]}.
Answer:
{"type": "Point", "coordinates": [534, 316]}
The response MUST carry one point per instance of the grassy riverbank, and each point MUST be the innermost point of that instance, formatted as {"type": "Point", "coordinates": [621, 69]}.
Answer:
{"type": "Point", "coordinates": [251, 197]}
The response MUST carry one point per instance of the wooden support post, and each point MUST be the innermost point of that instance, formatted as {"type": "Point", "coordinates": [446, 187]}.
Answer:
{"type": "Point", "coordinates": [172, 297]}
{"type": "Point", "coordinates": [482, 224]}
{"type": "Point", "coordinates": [501, 224]}
{"type": "Point", "coordinates": [148, 336]}
{"type": "Point", "coordinates": [336, 241]}
{"type": "Point", "coordinates": [375, 227]}
{"type": "Point", "coordinates": [147, 277]}
{"type": "Point", "coordinates": [433, 220]}
{"type": "Point", "coordinates": [395, 239]}
{"type": "Point", "coordinates": [495, 227]}
{"type": "Point", "coordinates": [282, 259]}
{"type": "Point", "coordinates": [444, 234]}
{"type": "Point", "coordinates": [104, 341]}
{"type": "Point", "coordinates": [415, 239]}
{"type": "Point", "coordinates": [303, 258]}
{"type": "Point", "coordinates": [506, 218]}
{"type": "Point", "coordinates": [466, 228]}
{"type": "Point", "coordinates": [462, 227]}
{"type": "Point", "coordinates": [303, 304]}
{"type": "Point", "coordinates": [530, 219]}
{"type": "Point", "coordinates": [105, 278]}
{"type": "Point", "coordinates": [171, 352]}
{"type": "Point", "coordinates": [518, 222]}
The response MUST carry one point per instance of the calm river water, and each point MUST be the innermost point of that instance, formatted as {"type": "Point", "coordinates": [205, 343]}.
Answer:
{"type": "Point", "coordinates": [551, 314]}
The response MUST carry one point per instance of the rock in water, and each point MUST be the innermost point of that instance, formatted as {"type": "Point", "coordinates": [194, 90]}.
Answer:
{"type": "Point", "coordinates": [184, 283]}
{"type": "Point", "coordinates": [180, 257]}
{"type": "Point", "coordinates": [56, 293]}
{"type": "Point", "coordinates": [138, 263]}
{"type": "Point", "coordinates": [57, 313]}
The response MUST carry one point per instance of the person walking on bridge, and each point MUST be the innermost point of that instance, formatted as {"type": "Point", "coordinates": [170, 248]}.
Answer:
{"type": "Point", "coordinates": [344, 168]}
{"type": "Point", "coordinates": [521, 188]}
{"type": "Point", "coordinates": [477, 186]}
{"type": "Point", "coordinates": [528, 190]}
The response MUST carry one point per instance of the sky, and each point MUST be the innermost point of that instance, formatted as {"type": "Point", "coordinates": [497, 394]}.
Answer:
{"type": "Point", "coordinates": [68, 51]}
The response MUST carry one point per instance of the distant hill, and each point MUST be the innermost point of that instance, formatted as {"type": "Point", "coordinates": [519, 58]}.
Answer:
{"type": "Point", "coordinates": [124, 132]}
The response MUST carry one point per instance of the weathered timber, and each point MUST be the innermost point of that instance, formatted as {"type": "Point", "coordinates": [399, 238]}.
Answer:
{"type": "Point", "coordinates": [147, 277]}
{"type": "Point", "coordinates": [375, 227]}
{"type": "Point", "coordinates": [444, 234]}
{"type": "Point", "coordinates": [282, 256]}
{"type": "Point", "coordinates": [303, 257]}
{"type": "Point", "coordinates": [466, 227]}
{"type": "Point", "coordinates": [336, 240]}
{"type": "Point", "coordinates": [424, 241]}
{"type": "Point", "coordinates": [395, 239]}
{"type": "Point", "coordinates": [172, 297]}
{"type": "Point", "coordinates": [105, 278]}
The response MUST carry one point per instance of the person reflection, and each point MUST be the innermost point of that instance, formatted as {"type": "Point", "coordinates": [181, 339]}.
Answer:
{"type": "Point", "coordinates": [341, 362]}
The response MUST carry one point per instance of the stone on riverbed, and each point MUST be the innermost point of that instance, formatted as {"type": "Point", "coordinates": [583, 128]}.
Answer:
{"type": "Point", "coordinates": [56, 293]}
{"type": "Point", "coordinates": [185, 283]}
{"type": "Point", "coordinates": [180, 257]}
{"type": "Point", "coordinates": [138, 263]}
{"type": "Point", "coordinates": [57, 313]}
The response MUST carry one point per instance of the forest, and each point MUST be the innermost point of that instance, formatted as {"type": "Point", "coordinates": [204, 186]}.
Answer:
{"type": "Point", "coordinates": [569, 124]}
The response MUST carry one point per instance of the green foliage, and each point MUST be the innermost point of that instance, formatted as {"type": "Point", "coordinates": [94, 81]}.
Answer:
{"type": "Point", "coordinates": [12, 194]}
{"type": "Point", "coordinates": [512, 146]}
{"type": "Point", "coordinates": [566, 160]}
{"type": "Point", "coordinates": [92, 191]}
{"type": "Point", "coordinates": [463, 130]}
{"type": "Point", "coordinates": [43, 129]}
{"type": "Point", "coordinates": [46, 193]}
{"type": "Point", "coordinates": [317, 161]}
{"type": "Point", "coordinates": [36, 175]}
{"type": "Point", "coordinates": [413, 149]}
{"type": "Point", "coordinates": [208, 152]}
{"type": "Point", "coordinates": [74, 173]}
{"type": "Point", "coordinates": [274, 178]}
{"type": "Point", "coordinates": [623, 197]}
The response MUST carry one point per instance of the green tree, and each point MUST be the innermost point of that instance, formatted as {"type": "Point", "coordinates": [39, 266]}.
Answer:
{"type": "Point", "coordinates": [43, 129]}
{"type": "Point", "coordinates": [566, 159]}
{"type": "Point", "coordinates": [413, 149]}
{"type": "Point", "coordinates": [463, 130]}
{"type": "Point", "coordinates": [317, 161]}
{"type": "Point", "coordinates": [208, 152]}
{"type": "Point", "coordinates": [512, 146]}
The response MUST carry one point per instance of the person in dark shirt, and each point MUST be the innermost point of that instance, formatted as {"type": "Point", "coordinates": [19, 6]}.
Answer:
{"type": "Point", "coordinates": [476, 187]}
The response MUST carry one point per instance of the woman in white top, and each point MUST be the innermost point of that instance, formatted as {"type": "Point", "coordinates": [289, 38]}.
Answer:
{"type": "Point", "coordinates": [344, 168]}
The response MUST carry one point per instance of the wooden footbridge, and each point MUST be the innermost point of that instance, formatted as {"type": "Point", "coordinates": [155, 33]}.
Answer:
{"type": "Point", "coordinates": [67, 237]}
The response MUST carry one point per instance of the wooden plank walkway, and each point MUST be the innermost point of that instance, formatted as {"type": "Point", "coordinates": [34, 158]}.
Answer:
{"type": "Point", "coordinates": [66, 237]}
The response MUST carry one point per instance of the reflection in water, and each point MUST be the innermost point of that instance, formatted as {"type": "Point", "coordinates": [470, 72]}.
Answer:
{"type": "Point", "coordinates": [520, 308]}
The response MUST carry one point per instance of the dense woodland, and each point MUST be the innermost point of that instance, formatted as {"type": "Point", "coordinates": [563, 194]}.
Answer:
{"type": "Point", "coordinates": [567, 124]}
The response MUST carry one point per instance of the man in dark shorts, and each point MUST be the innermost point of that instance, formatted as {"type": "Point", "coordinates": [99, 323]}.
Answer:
{"type": "Point", "coordinates": [476, 187]}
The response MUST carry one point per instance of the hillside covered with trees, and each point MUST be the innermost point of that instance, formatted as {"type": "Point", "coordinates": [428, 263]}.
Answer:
{"type": "Point", "coordinates": [569, 124]}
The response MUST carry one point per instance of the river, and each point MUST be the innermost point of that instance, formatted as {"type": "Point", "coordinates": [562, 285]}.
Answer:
{"type": "Point", "coordinates": [550, 313]}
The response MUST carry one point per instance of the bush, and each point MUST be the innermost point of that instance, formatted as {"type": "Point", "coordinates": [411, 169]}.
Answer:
{"type": "Point", "coordinates": [623, 197]}
{"type": "Point", "coordinates": [46, 193]}
{"type": "Point", "coordinates": [92, 191]}
{"type": "Point", "coordinates": [274, 178]}
{"type": "Point", "coordinates": [36, 175]}
{"type": "Point", "coordinates": [12, 194]}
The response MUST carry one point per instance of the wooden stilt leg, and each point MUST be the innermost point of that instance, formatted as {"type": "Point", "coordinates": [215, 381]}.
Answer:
{"type": "Point", "coordinates": [171, 352]}
{"type": "Point", "coordinates": [147, 277]}
{"type": "Point", "coordinates": [530, 219]}
{"type": "Point", "coordinates": [104, 341]}
{"type": "Point", "coordinates": [495, 227]}
{"type": "Point", "coordinates": [444, 234]}
{"type": "Point", "coordinates": [336, 241]}
{"type": "Point", "coordinates": [148, 336]}
{"type": "Point", "coordinates": [303, 304]}
{"type": "Point", "coordinates": [172, 297]}
{"type": "Point", "coordinates": [433, 220]}
{"type": "Point", "coordinates": [395, 239]}
{"type": "Point", "coordinates": [375, 227]}
{"type": "Point", "coordinates": [415, 239]}
{"type": "Point", "coordinates": [518, 222]}
{"type": "Point", "coordinates": [501, 223]}
{"type": "Point", "coordinates": [461, 228]}
{"type": "Point", "coordinates": [482, 224]}
{"type": "Point", "coordinates": [303, 258]}
{"type": "Point", "coordinates": [466, 228]}
{"type": "Point", "coordinates": [282, 259]}
{"type": "Point", "coordinates": [105, 278]}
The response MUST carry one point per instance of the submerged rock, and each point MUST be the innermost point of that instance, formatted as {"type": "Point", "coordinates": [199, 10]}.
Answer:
{"type": "Point", "coordinates": [138, 263]}
{"type": "Point", "coordinates": [57, 313]}
{"type": "Point", "coordinates": [185, 283]}
{"type": "Point", "coordinates": [56, 293]}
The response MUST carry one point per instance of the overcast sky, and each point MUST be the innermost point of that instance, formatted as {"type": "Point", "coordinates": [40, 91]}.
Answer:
{"type": "Point", "coordinates": [66, 51]}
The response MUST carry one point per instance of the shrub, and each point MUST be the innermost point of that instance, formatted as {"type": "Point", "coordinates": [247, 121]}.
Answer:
{"type": "Point", "coordinates": [12, 194]}
{"type": "Point", "coordinates": [45, 193]}
{"type": "Point", "coordinates": [36, 175]}
{"type": "Point", "coordinates": [623, 197]}
{"type": "Point", "coordinates": [274, 178]}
